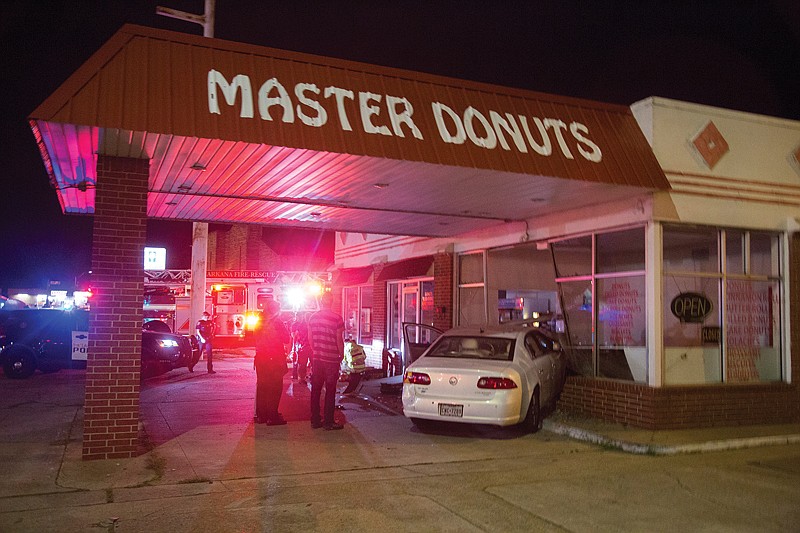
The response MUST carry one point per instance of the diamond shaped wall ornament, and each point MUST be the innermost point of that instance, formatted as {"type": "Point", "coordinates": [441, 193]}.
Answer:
{"type": "Point", "coordinates": [710, 144]}
{"type": "Point", "coordinates": [796, 157]}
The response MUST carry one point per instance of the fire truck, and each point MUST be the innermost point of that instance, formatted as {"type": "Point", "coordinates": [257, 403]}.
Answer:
{"type": "Point", "coordinates": [235, 298]}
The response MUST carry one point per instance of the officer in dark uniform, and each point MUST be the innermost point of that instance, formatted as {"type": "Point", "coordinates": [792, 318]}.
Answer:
{"type": "Point", "coordinates": [205, 333]}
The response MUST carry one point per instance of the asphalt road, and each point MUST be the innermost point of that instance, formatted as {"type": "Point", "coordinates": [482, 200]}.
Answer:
{"type": "Point", "coordinates": [209, 468]}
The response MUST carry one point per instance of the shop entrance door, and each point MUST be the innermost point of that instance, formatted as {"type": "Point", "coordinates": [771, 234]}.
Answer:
{"type": "Point", "coordinates": [409, 301]}
{"type": "Point", "coordinates": [410, 307]}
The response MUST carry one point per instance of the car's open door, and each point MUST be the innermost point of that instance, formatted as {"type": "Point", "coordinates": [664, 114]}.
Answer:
{"type": "Point", "coordinates": [416, 339]}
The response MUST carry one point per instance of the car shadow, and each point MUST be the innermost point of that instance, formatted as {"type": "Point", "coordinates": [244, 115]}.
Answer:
{"type": "Point", "coordinates": [468, 431]}
{"type": "Point", "coordinates": [472, 431]}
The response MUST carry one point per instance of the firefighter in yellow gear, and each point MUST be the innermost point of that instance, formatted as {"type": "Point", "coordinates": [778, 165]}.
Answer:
{"type": "Point", "coordinates": [355, 363]}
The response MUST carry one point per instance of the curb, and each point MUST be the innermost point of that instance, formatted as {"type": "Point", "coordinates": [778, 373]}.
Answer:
{"type": "Point", "coordinates": [660, 449]}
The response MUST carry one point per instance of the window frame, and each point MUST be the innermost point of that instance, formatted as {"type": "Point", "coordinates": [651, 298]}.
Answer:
{"type": "Point", "coordinates": [724, 278]}
{"type": "Point", "coordinates": [593, 278]}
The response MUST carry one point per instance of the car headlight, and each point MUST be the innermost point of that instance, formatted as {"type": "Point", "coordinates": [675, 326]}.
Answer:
{"type": "Point", "coordinates": [167, 343]}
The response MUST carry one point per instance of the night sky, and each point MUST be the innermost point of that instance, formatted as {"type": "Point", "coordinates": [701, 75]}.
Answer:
{"type": "Point", "coordinates": [737, 55]}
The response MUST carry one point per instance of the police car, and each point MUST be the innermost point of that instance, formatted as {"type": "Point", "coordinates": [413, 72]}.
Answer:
{"type": "Point", "coordinates": [52, 339]}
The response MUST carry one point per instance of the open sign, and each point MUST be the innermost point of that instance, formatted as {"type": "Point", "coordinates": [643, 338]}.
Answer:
{"type": "Point", "coordinates": [691, 307]}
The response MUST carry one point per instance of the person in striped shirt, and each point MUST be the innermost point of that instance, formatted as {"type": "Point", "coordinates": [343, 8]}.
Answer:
{"type": "Point", "coordinates": [326, 335]}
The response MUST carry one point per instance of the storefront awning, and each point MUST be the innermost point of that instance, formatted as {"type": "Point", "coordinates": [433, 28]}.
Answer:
{"type": "Point", "coordinates": [348, 277]}
{"type": "Point", "coordinates": [416, 267]}
{"type": "Point", "coordinates": [243, 133]}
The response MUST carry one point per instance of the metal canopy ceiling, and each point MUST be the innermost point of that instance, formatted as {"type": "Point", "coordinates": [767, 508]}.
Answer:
{"type": "Point", "coordinates": [150, 94]}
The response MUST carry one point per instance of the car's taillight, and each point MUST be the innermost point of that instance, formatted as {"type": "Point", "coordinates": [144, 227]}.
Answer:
{"type": "Point", "coordinates": [416, 378]}
{"type": "Point", "coordinates": [496, 383]}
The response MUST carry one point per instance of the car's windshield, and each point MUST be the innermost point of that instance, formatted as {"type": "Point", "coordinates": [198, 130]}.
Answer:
{"type": "Point", "coordinates": [468, 347]}
{"type": "Point", "coordinates": [157, 326]}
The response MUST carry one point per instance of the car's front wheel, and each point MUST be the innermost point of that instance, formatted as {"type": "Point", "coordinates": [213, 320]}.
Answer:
{"type": "Point", "coordinates": [533, 419]}
{"type": "Point", "coordinates": [19, 362]}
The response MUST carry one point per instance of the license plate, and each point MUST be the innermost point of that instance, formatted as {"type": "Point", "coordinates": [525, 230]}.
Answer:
{"type": "Point", "coordinates": [449, 409]}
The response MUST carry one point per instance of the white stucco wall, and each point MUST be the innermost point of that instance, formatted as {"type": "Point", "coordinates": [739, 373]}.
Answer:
{"type": "Point", "coordinates": [755, 185]}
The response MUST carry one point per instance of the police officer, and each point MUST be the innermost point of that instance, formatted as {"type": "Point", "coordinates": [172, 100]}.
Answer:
{"type": "Point", "coordinates": [205, 333]}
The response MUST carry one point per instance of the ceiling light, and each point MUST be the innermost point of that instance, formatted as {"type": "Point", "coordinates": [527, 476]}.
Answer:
{"type": "Point", "coordinates": [315, 214]}
{"type": "Point", "coordinates": [185, 187]}
{"type": "Point", "coordinates": [198, 166]}
{"type": "Point", "coordinates": [380, 185]}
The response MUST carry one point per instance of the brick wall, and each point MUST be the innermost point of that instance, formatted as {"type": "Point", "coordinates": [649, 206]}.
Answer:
{"type": "Point", "coordinates": [680, 407]}
{"type": "Point", "coordinates": [111, 407]}
{"type": "Point", "coordinates": [676, 407]}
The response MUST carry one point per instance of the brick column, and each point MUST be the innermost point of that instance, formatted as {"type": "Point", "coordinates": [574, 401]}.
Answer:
{"type": "Point", "coordinates": [443, 291]}
{"type": "Point", "coordinates": [111, 407]}
{"type": "Point", "coordinates": [379, 310]}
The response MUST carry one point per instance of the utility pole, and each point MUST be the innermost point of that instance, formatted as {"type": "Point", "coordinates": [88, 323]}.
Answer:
{"type": "Point", "coordinates": [197, 297]}
{"type": "Point", "coordinates": [206, 20]}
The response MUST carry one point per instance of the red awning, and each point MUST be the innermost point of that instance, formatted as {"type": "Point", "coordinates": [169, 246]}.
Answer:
{"type": "Point", "coordinates": [347, 277]}
{"type": "Point", "coordinates": [416, 267]}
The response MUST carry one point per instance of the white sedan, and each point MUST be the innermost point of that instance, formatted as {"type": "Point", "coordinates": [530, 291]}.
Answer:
{"type": "Point", "coordinates": [500, 376]}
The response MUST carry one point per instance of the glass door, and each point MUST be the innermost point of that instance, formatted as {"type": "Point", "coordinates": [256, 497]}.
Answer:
{"type": "Point", "coordinates": [410, 313]}
{"type": "Point", "coordinates": [403, 307]}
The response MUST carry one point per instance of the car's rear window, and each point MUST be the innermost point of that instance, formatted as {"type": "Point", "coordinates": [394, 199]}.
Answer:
{"type": "Point", "coordinates": [467, 347]}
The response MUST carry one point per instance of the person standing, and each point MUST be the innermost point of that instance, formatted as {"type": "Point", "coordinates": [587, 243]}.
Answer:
{"type": "Point", "coordinates": [272, 340]}
{"type": "Point", "coordinates": [326, 335]}
{"type": "Point", "coordinates": [205, 334]}
{"type": "Point", "coordinates": [300, 348]}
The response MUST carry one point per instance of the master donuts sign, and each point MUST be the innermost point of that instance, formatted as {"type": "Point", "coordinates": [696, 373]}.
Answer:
{"type": "Point", "coordinates": [352, 111]}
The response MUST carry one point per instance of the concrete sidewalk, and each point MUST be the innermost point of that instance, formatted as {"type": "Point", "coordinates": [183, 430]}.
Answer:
{"type": "Point", "coordinates": [206, 466]}
{"type": "Point", "coordinates": [196, 426]}
{"type": "Point", "coordinates": [176, 460]}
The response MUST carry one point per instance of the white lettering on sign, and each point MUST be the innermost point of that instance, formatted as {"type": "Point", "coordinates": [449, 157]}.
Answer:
{"type": "Point", "coordinates": [455, 129]}
{"type": "Point", "coordinates": [80, 345]}
{"type": "Point", "coordinates": [545, 148]}
{"type": "Point", "coordinates": [339, 95]}
{"type": "Point", "coordinates": [402, 116]}
{"type": "Point", "coordinates": [229, 90]}
{"type": "Point", "coordinates": [321, 115]}
{"type": "Point", "coordinates": [368, 110]}
{"type": "Point", "coordinates": [282, 99]}
{"type": "Point", "coordinates": [389, 115]}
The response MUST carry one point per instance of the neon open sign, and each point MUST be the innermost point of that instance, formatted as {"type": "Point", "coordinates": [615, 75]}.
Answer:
{"type": "Point", "coordinates": [691, 307]}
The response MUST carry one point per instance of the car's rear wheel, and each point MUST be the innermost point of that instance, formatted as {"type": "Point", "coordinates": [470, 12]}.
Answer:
{"type": "Point", "coordinates": [19, 362]}
{"type": "Point", "coordinates": [533, 419]}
